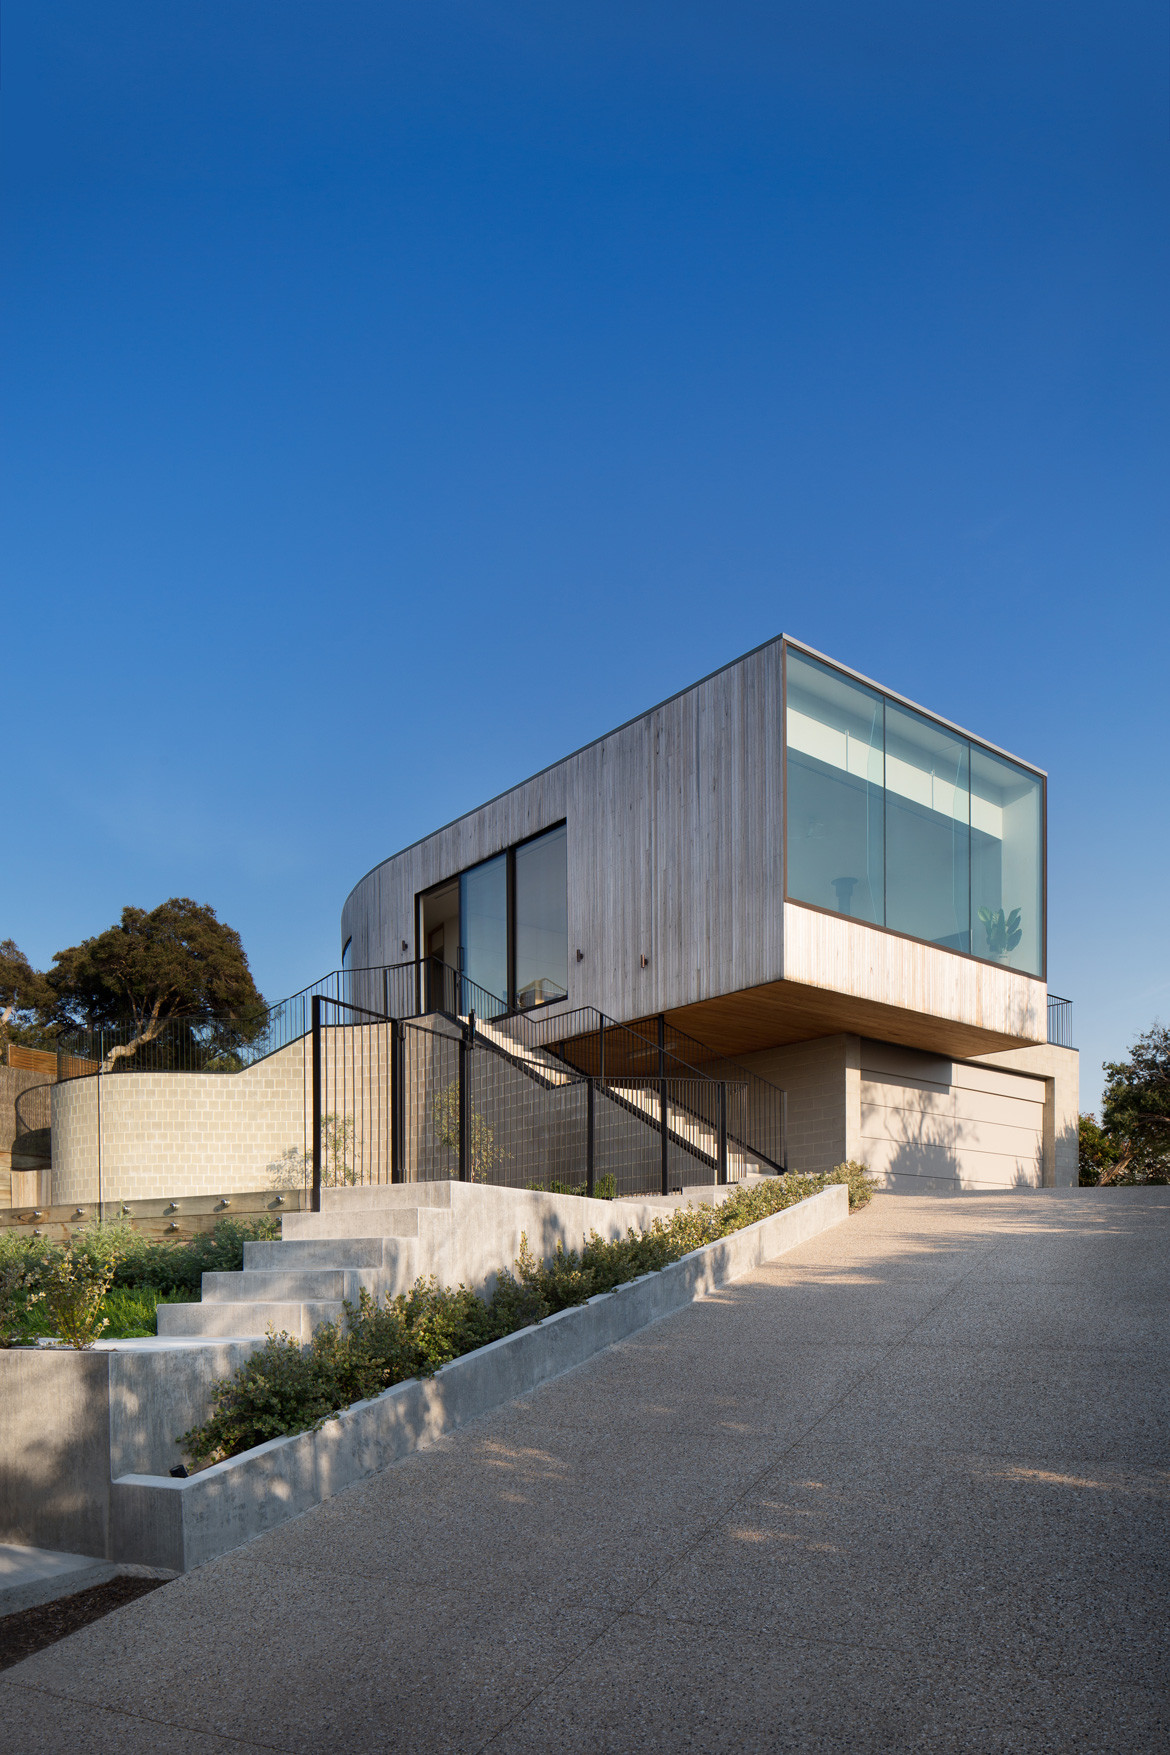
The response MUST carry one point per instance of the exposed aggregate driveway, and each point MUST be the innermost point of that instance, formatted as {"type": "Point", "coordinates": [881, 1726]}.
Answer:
{"type": "Point", "coordinates": [904, 1489]}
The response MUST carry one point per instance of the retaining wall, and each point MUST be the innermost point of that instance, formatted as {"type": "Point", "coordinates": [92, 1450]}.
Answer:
{"type": "Point", "coordinates": [85, 1438]}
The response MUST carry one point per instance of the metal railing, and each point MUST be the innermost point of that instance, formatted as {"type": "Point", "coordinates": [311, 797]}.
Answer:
{"type": "Point", "coordinates": [594, 1044]}
{"type": "Point", "coordinates": [32, 1140]}
{"type": "Point", "coordinates": [1059, 1021]}
{"type": "Point", "coordinates": [399, 1100]}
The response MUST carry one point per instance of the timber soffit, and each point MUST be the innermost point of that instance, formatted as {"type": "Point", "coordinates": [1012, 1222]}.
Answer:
{"type": "Point", "coordinates": [779, 640]}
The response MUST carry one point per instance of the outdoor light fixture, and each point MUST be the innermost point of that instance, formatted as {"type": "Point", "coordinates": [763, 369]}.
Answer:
{"type": "Point", "coordinates": [405, 946]}
{"type": "Point", "coordinates": [172, 1226]}
{"type": "Point", "coordinates": [645, 961]}
{"type": "Point", "coordinates": [580, 956]}
{"type": "Point", "coordinates": [222, 1204]}
{"type": "Point", "coordinates": [279, 1201]}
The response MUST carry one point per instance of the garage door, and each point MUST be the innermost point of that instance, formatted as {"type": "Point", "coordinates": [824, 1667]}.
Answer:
{"type": "Point", "coordinates": [930, 1124]}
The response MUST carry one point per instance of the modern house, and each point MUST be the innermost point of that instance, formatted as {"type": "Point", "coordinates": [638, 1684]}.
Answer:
{"type": "Point", "coordinates": [789, 865]}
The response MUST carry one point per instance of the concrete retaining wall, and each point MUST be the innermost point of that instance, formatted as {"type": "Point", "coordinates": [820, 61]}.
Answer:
{"type": "Point", "coordinates": [179, 1524]}
{"type": "Point", "coordinates": [72, 1421]}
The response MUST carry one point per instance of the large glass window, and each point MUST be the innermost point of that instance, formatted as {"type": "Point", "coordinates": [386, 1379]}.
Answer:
{"type": "Point", "coordinates": [927, 832]}
{"type": "Point", "coordinates": [1007, 879]}
{"type": "Point", "coordinates": [542, 919]}
{"type": "Point", "coordinates": [835, 769]}
{"type": "Point", "coordinates": [483, 915]}
{"type": "Point", "coordinates": [894, 819]}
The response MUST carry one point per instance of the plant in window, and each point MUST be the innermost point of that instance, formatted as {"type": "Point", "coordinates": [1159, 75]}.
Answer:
{"type": "Point", "coordinates": [1003, 930]}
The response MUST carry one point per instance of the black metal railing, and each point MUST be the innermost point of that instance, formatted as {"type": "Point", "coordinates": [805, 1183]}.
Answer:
{"type": "Point", "coordinates": [1059, 1021]}
{"type": "Point", "coordinates": [402, 1100]}
{"type": "Point", "coordinates": [594, 1044]}
{"type": "Point", "coordinates": [32, 1139]}
{"type": "Point", "coordinates": [667, 1094]}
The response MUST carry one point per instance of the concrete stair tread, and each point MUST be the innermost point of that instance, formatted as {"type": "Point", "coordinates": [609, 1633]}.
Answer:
{"type": "Point", "coordinates": [246, 1318]}
{"type": "Point", "coordinates": [299, 1285]}
{"type": "Point", "coordinates": [297, 1253]}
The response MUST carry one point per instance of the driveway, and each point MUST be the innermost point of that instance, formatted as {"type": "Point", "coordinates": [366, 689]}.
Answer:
{"type": "Point", "coordinates": [905, 1489]}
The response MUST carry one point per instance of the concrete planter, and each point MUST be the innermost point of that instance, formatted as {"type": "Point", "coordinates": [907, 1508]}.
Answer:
{"type": "Point", "coordinates": [156, 1521]}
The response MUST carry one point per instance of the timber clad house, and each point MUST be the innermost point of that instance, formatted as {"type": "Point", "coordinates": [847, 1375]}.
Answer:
{"type": "Point", "coordinates": [786, 870]}
{"type": "Point", "coordinates": [782, 920]}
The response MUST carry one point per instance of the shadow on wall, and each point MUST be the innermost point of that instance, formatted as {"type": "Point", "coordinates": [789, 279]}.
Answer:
{"type": "Point", "coordinates": [924, 1154]}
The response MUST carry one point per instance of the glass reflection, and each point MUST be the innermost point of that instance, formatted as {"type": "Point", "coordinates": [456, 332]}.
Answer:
{"type": "Point", "coordinates": [1006, 873]}
{"type": "Point", "coordinates": [542, 919]}
{"type": "Point", "coordinates": [927, 834]}
{"type": "Point", "coordinates": [483, 914]}
{"type": "Point", "coordinates": [893, 819]}
{"type": "Point", "coordinates": [835, 770]}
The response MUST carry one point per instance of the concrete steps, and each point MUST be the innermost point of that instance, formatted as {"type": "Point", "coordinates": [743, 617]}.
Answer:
{"type": "Point", "coordinates": [363, 1239]}
{"type": "Point", "coordinates": [243, 1320]}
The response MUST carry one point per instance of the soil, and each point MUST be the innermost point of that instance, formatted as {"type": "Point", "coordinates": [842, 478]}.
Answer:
{"type": "Point", "coordinates": [32, 1629]}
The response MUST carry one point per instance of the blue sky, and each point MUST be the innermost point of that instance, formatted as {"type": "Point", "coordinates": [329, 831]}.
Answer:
{"type": "Point", "coordinates": [398, 396]}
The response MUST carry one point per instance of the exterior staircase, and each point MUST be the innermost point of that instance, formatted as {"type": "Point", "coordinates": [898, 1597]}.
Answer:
{"type": "Point", "coordinates": [381, 1243]}
{"type": "Point", "coordinates": [382, 1238]}
{"type": "Point", "coordinates": [685, 1128]}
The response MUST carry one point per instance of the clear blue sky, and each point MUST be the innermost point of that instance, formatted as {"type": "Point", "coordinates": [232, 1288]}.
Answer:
{"type": "Point", "coordinates": [398, 396]}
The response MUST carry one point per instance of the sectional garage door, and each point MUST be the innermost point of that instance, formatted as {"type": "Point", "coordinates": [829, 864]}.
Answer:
{"type": "Point", "coordinates": [929, 1123]}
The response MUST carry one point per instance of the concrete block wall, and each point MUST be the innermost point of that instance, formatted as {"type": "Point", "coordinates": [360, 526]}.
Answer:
{"type": "Point", "coordinates": [165, 1134]}
{"type": "Point", "coordinates": [823, 1081]}
{"type": "Point", "coordinates": [14, 1080]}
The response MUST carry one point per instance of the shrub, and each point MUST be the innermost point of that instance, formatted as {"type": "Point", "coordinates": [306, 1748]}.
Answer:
{"type": "Point", "coordinates": [17, 1286]}
{"type": "Point", "coordinates": [71, 1290]}
{"type": "Point", "coordinates": [156, 1264]}
{"type": "Point", "coordinates": [862, 1186]}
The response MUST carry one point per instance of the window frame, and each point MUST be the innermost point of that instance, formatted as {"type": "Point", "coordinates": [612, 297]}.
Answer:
{"type": "Point", "coordinates": [948, 725]}
{"type": "Point", "coordinates": [510, 999]}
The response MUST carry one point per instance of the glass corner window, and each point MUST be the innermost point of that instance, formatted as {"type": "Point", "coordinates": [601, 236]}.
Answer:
{"type": "Point", "coordinates": [893, 818]}
{"type": "Point", "coordinates": [1007, 873]}
{"type": "Point", "coordinates": [835, 784]}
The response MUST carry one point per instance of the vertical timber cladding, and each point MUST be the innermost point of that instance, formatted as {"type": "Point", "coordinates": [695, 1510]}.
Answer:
{"type": "Point", "coordinates": [675, 850]}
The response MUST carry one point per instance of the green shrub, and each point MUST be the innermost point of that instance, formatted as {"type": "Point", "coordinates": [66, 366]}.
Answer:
{"type": "Point", "coordinates": [133, 1313]}
{"type": "Point", "coordinates": [157, 1264]}
{"type": "Point", "coordinates": [71, 1291]}
{"type": "Point", "coordinates": [862, 1186]}
{"type": "Point", "coordinates": [17, 1286]}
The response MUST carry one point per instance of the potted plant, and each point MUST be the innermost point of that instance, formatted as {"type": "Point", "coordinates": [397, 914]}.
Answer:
{"type": "Point", "coordinates": [1003, 930]}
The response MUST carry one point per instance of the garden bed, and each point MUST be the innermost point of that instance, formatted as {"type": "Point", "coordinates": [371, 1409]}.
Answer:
{"type": "Point", "coordinates": [178, 1524]}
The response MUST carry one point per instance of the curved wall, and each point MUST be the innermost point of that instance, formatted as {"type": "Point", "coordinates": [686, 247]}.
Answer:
{"type": "Point", "coordinates": [169, 1134]}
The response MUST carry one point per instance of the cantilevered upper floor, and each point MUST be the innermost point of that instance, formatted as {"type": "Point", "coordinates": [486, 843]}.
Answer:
{"type": "Point", "coordinates": [784, 850]}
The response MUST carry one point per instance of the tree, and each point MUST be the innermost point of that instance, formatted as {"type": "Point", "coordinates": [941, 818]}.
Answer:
{"type": "Point", "coordinates": [1135, 1114]}
{"type": "Point", "coordinates": [25, 996]}
{"type": "Point", "coordinates": [1099, 1156]}
{"type": "Point", "coordinates": [174, 965]}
